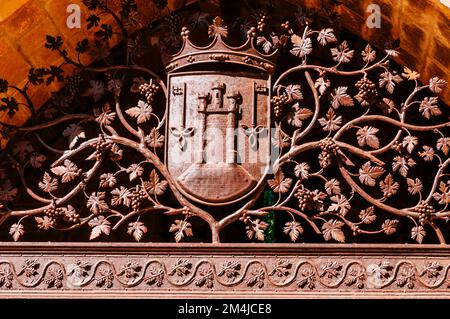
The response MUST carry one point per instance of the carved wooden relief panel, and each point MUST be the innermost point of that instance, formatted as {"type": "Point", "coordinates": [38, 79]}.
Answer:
{"type": "Point", "coordinates": [276, 131]}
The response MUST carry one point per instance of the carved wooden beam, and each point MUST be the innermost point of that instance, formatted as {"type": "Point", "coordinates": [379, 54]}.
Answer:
{"type": "Point", "coordinates": [225, 271]}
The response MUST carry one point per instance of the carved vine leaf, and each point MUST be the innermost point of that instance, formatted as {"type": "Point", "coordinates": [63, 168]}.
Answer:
{"type": "Point", "coordinates": [418, 233]}
{"type": "Point", "coordinates": [281, 268]}
{"type": "Point", "coordinates": [256, 229]}
{"type": "Point", "coordinates": [342, 54]}
{"type": "Point", "coordinates": [280, 184]}
{"type": "Point", "coordinates": [309, 278]}
{"type": "Point", "coordinates": [99, 225]}
{"type": "Point", "coordinates": [407, 277]}
{"type": "Point", "coordinates": [294, 92]}
{"type": "Point", "coordinates": [155, 139]}
{"type": "Point", "coordinates": [386, 105]}
{"type": "Point", "coordinates": [96, 203]}
{"type": "Point", "coordinates": [369, 55]}
{"type": "Point", "coordinates": [30, 267]}
{"type": "Point", "coordinates": [368, 174]}
{"type": "Point", "coordinates": [121, 196]}
{"type": "Point", "coordinates": [68, 171]}
{"type": "Point", "coordinates": [96, 89]}
{"type": "Point", "coordinates": [341, 98]}
{"type": "Point", "coordinates": [206, 277]}
{"type": "Point", "coordinates": [22, 149]}
{"type": "Point", "coordinates": [298, 115]}
{"type": "Point", "coordinates": [331, 122]}
{"type": "Point", "coordinates": [431, 269]}
{"type": "Point", "coordinates": [104, 278]}
{"type": "Point", "coordinates": [115, 86]}
{"type": "Point", "coordinates": [388, 186]}
{"type": "Point", "coordinates": [218, 28]}
{"type": "Point", "coordinates": [410, 142]}
{"type": "Point", "coordinates": [302, 47]}
{"type": "Point", "coordinates": [429, 107]}
{"type": "Point", "coordinates": [410, 75]}
{"type": "Point", "coordinates": [115, 153]}
{"type": "Point", "coordinates": [414, 185]}
{"type": "Point", "coordinates": [16, 231]}
{"type": "Point", "coordinates": [45, 222]}
{"type": "Point", "coordinates": [402, 164]}
{"type": "Point", "coordinates": [142, 112]}
{"type": "Point", "coordinates": [443, 196]}
{"type": "Point", "coordinates": [340, 204]}
{"type": "Point", "coordinates": [137, 230]}
{"type": "Point", "coordinates": [181, 268]}
{"type": "Point", "coordinates": [427, 154]}
{"type": "Point", "coordinates": [368, 216]}
{"type": "Point", "coordinates": [389, 226]}
{"type": "Point", "coordinates": [437, 85]}
{"type": "Point", "coordinates": [74, 133]}
{"type": "Point", "coordinates": [134, 171]}
{"type": "Point", "coordinates": [257, 278]}
{"type": "Point", "coordinates": [265, 44]}
{"type": "Point", "coordinates": [37, 160]}
{"type": "Point", "coordinates": [155, 185]}
{"type": "Point", "coordinates": [443, 144]}
{"type": "Point", "coordinates": [182, 229]}
{"type": "Point", "coordinates": [331, 269]}
{"type": "Point", "coordinates": [293, 229]}
{"type": "Point", "coordinates": [302, 170]}
{"type": "Point", "coordinates": [367, 136]}
{"type": "Point", "coordinates": [107, 180]}
{"type": "Point", "coordinates": [333, 187]}
{"type": "Point", "coordinates": [322, 85]}
{"type": "Point", "coordinates": [380, 271]}
{"type": "Point", "coordinates": [48, 183]}
{"type": "Point", "coordinates": [54, 277]}
{"type": "Point", "coordinates": [332, 229]}
{"type": "Point", "coordinates": [78, 271]}
{"type": "Point", "coordinates": [6, 277]}
{"type": "Point", "coordinates": [356, 277]}
{"type": "Point", "coordinates": [7, 191]}
{"type": "Point", "coordinates": [389, 80]}
{"type": "Point", "coordinates": [156, 276]}
{"type": "Point", "coordinates": [326, 36]}
{"type": "Point", "coordinates": [104, 116]}
{"type": "Point", "coordinates": [280, 139]}
{"type": "Point", "coordinates": [131, 270]}
{"type": "Point", "coordinates": [230, 269]}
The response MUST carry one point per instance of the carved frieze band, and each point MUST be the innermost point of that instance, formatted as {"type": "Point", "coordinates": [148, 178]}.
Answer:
{"type": "Point", "coordinates": [219, 273]}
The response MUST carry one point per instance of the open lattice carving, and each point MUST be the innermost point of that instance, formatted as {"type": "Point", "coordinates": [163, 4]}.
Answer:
{"type": "Point", "coordinates": [357, 156]}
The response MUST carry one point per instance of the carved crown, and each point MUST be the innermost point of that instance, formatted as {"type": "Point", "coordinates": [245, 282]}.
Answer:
{"type": "Point", "coordinates": [218, 51]}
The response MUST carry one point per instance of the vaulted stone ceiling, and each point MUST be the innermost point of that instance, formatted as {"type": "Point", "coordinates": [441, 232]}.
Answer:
{"type": "Point", "coordinates": [422, 27]}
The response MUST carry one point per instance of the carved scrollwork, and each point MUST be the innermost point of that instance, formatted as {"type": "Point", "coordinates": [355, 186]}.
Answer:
{"type": "Point", "coordinates": [297, 276]}
{"type": "Point", "coordinates": [358, 158]}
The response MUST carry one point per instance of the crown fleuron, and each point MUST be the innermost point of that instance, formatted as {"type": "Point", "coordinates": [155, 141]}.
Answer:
{"type": "Point", "coordinates": [219, 51]}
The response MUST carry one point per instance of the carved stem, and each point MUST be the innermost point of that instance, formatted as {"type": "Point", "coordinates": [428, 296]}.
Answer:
{"type": "Point", "coordinates": [438, 232]}
{"type": "Point", "coordinates": [372, 200]}
{"type": "Point", "coordinates": [381, 118]}
{"type": "Point", "coordinates": [59, 201]}
{"type": "Point", "coordinates": [330, 70]}
{"type": "Point", "coordinates": [296, 212]}
{"type": "Point", "coordinates": [163, 170]}
{"type": "Point", "coordinates": [316, 109]}
{"type": "Point", "coordinates": [60, 120]}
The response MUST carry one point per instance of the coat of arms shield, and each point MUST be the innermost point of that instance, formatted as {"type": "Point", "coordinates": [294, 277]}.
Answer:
{"type": "Point", "coordinates": [218, 146]}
